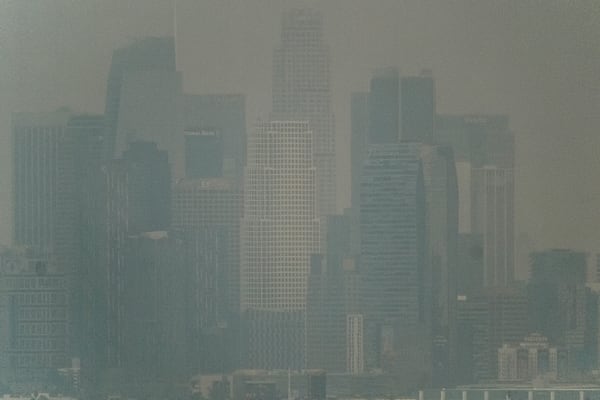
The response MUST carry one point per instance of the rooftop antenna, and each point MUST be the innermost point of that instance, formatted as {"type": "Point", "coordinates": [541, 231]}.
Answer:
{"type": "Point", "coordinates": [175, 30]}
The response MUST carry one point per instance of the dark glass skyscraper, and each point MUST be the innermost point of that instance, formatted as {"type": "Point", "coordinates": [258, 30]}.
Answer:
{"type": "Point", "coordinates": [149, 54]}
{"type": "Point", "coordinates": [384, 107]}
{"type": "Point", "coordinates": [225, 114]}
{"type": "Point", "coordinates": [417, 105]}
{"type": "Point", "coordinates": [393, 255]}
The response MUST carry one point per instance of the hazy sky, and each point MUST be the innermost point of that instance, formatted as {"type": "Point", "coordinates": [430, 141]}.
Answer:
{"type": "Point", "coordinates": [538, 61]}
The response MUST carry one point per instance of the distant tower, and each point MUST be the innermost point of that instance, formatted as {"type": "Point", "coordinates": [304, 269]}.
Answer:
{"type": "Point", "coordinates": [393, 254]}
{"type": "Point", "coordinates": [492, 215]}
{"type": "Point", "coordinates": [557, 299]}
{"type": "Point", "coordinates": [143, 99]}
{"type": "Point", "coordinates": [401, 108]}
{"type": "Point", "coordinates": [302, 91]}
{"type": "Point", "coordinates": [484, 150]}
{"type": "Point", "coordinates": [417, 104]}
{"type": "Point", "coordinates": [384, 107]}
{"type": "Point", "coordinates": [42, 168]}
{"type": "Point", "coordinates": [280, 232]}
{"type": "Point", "coordinates": [226, 114]}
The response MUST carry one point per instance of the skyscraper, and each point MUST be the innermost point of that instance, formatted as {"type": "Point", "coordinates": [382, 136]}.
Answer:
{"type": "Point", "coordinates": [201, 204]}
{"type": "Point", "coordinates": [226, 114]}
{"type": "Point", "coordinates": [417, 105]}
{"type": "Point", "coordinates": [359, 126]}
{"type": "Point", "coordinates": [203, 153]}
{"type": "Point", "coordinates": [557, 299]}
{"type": "Point", "coordinates": [133, 197]}
{"type": "Point", "coordinates": [302, 91]}
{"type": "Point", "coordinates": [42, 157]}
{"type": "Point", "coordinates": [492, 216]}
{"type": "Point", "coordinates": [485, 159]}
{"type": "Point", "coordinates": [440, 281]}
{"type": "Point", "coordinates": [401, 108]}
{"type": "Point", "coordinates": [149, 54]}
{"type": "Point", "coordinates": [384, 107]}
{"type": "Point", "coordinates": [394, 255]}
{"type": "Point", "coordinates": [280, 231]}
{"type": "Point", "coordinates": [330, 300]}
{"type": "Point", "coordinates": [34, 334]}
{"type": "Point", "coordinates": [45, 202]}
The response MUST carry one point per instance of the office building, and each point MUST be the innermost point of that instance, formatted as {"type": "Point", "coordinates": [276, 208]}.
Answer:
{"type": "Point", "coordinates": [203, 153]}
{"type": "Point", "coordinates": [87, 134]}
{"type": "Point", "coordinates": [34, 321]}
{"type": "Point", "coordinates": [359, 126]}
{"type": "Point", "coordinates": [533, 358]}
{"type": "Point", "coordinates": [394, 255]}
{"type": "Point", "coordinates": [401, 108]}
{"type": "Point", "coordinates": [154, 336]}
{"type": "Point", "coordinates": [558, 300]}
{"type": "Point", "coordinates": [486, 321]}
{"type": "Point", "coordinates": [200, 204]}
{"type": "Point", "coordinates": [484, 151]}
{"type": "Point", "coordinates": [42, 190]}
{"type": "Point", "coordinates": [302, 91]}
{"type": "Point", "coordinates": [280, 232]}
{"type": "Point", "coordinates": [469, 263]}
{"type": "Point", "coordinates": [417, 108]}
{"type": "Point", "coordinates": [146, 55]}
{"type": "Point", "coordinates": [226, 114]}
{"type": "Point", "coordinates": [330, 299]}
{"type": "Point", "coordinates": [493, 217]}
{"type": "Point", "coordinates": [384, 107]}
{"type": "Point", "coordinates": [133, 196]}
{"type": "Point", "coordinates": [440, 276]}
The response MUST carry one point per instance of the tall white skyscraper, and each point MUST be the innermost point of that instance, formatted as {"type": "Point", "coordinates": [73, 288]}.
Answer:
{"type": "Point", "coordinates": [280, 232]}
{"type": "Point", "coordinates": [302, 91]}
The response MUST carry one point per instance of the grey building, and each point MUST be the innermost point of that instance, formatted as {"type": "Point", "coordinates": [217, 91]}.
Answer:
{"type": "Point", "coordinates": [34, 321]}
{"type": "Point", "coordinates": [417, 105]}
{"type": "Point", "coordinates": [484, 149]}
{"type": "Point", "coordinates": [199, 204]}
{"type": "Point", "coordinates": [394, 257]}
{"type": "Point", "coordinates": [203, 153]}
{"type": "Point", "coordinates": [384, 107]}
{"type": "Point", "coordinates": [331, 298]}
{"type": "Point", "coordinates": [401, 108]}
{"type": "Point", "coordinates": [557, 300]}
{"type": "Point", "coordinates": [155, 346]}
{"type": "Point", "coordinates": [42, 181]}
{"type": "Point", "coordinates": [359, 126]}
{"type": "Point", "coordinates": [440, 282]}
{"type": "Point", "coordinates": [226, 114]}
{"type": "Point", "coordinates": [149, 54]}
{"type": "Point", "coordinates": [129, 196]}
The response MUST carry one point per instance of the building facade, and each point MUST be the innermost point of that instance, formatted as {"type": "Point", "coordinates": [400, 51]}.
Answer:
{"type": "Point", "coordinates": [302, 91]}
{"type": "Point", "coordinates": [34, 321]}
{"type": "Point", "coordinates": [394, 256]}
{"type": "Point", "coordinates": [280, 232]}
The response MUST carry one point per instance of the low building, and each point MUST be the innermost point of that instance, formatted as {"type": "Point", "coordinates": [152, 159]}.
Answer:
{"type": "Point", "coordinates": [33, 321]}
{"type": "Point", "coordinates": [531, 359]}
